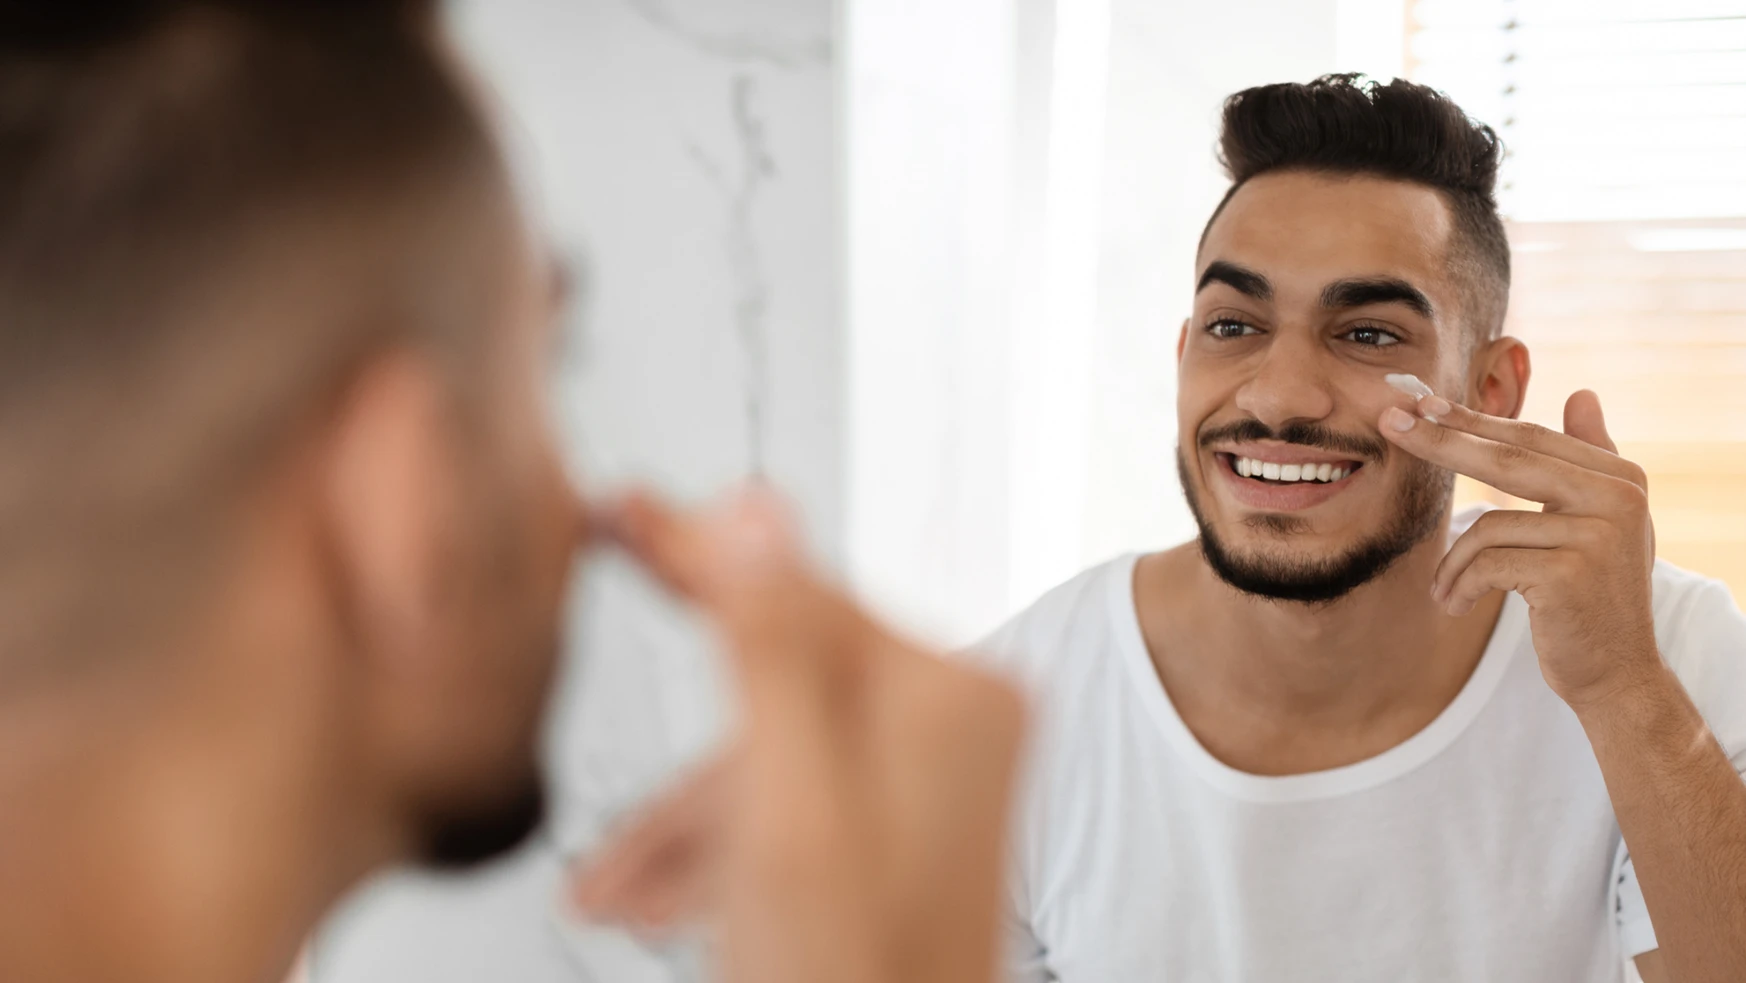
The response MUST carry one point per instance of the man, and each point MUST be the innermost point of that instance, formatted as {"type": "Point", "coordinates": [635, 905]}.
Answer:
{"type": "Point", "coordinates": [286, 534]}
{"type": "Point", "coordinates": [1321, 742]}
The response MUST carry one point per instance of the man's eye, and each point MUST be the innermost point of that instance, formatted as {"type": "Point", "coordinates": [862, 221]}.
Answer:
{"type": "Point", "coordinates": [1373, 337]}
{"type": "Point", "coordinates": [1227, 328]}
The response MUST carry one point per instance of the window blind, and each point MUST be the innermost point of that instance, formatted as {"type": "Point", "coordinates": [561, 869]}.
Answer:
{"type": "Point", "coordinates": [1625, 190]}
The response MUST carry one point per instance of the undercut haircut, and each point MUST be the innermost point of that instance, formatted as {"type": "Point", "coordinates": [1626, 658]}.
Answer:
{"type": "Point", "coordinates": [1348, 125]}
{"type": "Point", "coordinates": [210, 211]}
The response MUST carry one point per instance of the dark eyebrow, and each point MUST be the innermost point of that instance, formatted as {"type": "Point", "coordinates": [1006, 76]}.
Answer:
{"type": "Point", "coordinates": [1375, 290]}
{"type": "Point", "coordinates": [1244, 281]}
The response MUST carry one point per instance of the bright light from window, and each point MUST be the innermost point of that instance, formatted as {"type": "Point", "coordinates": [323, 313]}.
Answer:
{"type": "Point", "coordinates": [1625, 123]}
{"type": "Point", "coordinates": [1053, 375]}
{"type": "Point", "coordinates": [1689, 240]}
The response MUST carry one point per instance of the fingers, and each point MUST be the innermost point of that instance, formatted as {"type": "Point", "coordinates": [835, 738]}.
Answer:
{"type": "Point", "coordinates": [1501, 568]}
{"type": "Point", "coordinates": [1509, 529]}
{"type": "Point", "coordinates": [1509, 467]}
{"type": "Point", "coordinates": [864, 836]}
{"type": "Point", "coordinates": [1586, 447]}
{"type": "Point", "coordinates": [657, 868]}
{"type": "Point", "coordinates": [742, 563]}
{"type": "Point", "coordinates": [1584, 420]}
{"type": "Point", "coordinates": [705, 555]}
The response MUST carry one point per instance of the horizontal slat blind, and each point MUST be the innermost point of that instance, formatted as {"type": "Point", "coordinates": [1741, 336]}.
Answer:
{"type": "Point", "coordinates": [1625, 187]}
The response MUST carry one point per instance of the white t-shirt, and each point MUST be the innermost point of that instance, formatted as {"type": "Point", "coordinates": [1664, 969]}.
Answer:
{"type": "Point", "coordinates": [1482, 848]}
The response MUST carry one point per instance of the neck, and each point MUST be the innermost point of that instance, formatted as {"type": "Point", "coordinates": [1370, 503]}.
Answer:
{"type": "Point", "coordinates": [1276, 687]}
{"type": "Point", "coordinates": [185, 817]}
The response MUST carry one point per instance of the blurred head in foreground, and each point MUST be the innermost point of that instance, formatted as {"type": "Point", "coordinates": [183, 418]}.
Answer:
{"type": "Point", "coordinates": [283, 531]}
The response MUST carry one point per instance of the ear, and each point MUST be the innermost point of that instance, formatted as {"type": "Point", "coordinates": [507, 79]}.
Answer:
{"type": "Point", "coordinates": [387, 465]}
{"type": "Point", "coordinates": [1182, 341]}
{"type": "Point", "coordinates": [1500, 378]}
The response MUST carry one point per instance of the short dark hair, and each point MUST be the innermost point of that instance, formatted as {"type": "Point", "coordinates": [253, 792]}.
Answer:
{"type": "Point", "coordinates": [157, 158]}
{"type": "Point", "coordinates": [1346, 124]}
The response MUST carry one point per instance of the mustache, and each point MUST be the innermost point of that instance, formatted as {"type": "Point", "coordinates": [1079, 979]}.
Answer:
{"type": "Point", "coordinates": [1302, 433]}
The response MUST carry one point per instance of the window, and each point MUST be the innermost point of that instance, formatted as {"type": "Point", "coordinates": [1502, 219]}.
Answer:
{"type": "Point", "coordinates": [1625, 191]}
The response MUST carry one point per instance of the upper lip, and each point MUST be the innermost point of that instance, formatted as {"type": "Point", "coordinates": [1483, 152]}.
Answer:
{"type": "Point", "coordinates": [1274, 453]}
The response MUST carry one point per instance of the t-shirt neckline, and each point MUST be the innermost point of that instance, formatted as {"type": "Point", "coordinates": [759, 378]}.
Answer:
{"type": "Point", "coordinates": [1399, 760]}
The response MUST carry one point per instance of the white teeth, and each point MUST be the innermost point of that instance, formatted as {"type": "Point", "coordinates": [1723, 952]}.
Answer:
{"type": "Point", "coordinates": [1249, 467]}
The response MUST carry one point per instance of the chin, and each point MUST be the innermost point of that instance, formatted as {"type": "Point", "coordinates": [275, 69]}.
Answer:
{"type": "Point", "coordinates": [1281, 556]}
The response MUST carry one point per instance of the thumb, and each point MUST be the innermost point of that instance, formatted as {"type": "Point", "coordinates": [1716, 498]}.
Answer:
{"type": "Point", "coordinates": [1583, 420]}
{"type": "Point", "coordinates": [742, 563]}
{"type": "Point", "coordinates": [706, 556]}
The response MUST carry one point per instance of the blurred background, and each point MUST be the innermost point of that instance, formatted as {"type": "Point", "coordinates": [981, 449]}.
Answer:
{"type": "Point", "coordinates": [923, 262]}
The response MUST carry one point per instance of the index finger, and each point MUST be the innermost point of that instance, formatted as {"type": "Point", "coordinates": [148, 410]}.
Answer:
{"type": "Point", "coordinates": [702, 555]}
{"type": "Point", "coordinates": [1551, 443]}
{"type": "Point", "coordinates": [743, 565]}
{"type": "Point", "coordinates": [1509, 467]}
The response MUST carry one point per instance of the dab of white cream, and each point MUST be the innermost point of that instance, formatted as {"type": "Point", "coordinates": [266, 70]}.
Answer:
{"type": "Point", "coordinates": [1413, 386]}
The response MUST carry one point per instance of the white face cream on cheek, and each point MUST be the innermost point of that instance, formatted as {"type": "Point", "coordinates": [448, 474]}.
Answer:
{"type": "Point", "coordinates": [1413, 386]}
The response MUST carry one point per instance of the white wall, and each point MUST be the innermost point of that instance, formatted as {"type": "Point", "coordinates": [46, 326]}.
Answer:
{"type": "Point", "coordinates": [934, 168]}
{"type": "Point", "coordinates": [687, 153]}
{"type": "Point", "coordinates": [1027, 183]}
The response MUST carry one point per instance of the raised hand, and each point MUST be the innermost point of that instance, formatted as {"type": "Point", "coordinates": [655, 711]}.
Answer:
{"type": "Point", "coordinates": [1583, 563]}
{"type": "Point", "coordinates": [862, 823]}
{"type": "Point", "coordinates": [663, 867]}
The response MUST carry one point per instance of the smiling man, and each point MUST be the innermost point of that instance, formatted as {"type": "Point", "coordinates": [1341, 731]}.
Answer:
{"type": "Point", "coordinates": [1346, 734]}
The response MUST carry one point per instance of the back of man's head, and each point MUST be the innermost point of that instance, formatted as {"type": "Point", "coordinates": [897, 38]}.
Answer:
{"type": "Point", "coordinates": [208, 210]}
{"type": "Point", "coordinates": [1342, 124]}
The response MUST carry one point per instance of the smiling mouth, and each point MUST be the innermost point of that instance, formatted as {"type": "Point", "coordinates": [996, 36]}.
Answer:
{"type": "Point", "coordinates": [1276, 473]}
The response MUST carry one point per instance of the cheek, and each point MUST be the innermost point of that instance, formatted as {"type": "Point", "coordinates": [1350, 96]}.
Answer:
{"type": "Point", "coordinates": [1199, 391]}
{"type": "Point", "coordinates": [1363, 393]}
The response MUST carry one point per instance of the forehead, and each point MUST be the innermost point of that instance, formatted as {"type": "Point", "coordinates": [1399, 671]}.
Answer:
{"type": "Point", "coordinates": [1314, 228]}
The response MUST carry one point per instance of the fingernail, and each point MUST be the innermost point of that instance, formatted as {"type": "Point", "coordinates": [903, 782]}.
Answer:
{"type": "Point", "coordinates": [1398, 419]}
{"type": "Point", "coordinates": [1434, 408]}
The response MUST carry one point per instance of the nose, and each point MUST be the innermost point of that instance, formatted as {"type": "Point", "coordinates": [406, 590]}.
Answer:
{"type": "Point", "coordinates": [1288, 383]}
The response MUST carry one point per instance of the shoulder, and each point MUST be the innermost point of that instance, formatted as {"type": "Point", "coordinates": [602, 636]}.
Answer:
{"type": "Point", "coordinates": [1069, 617]}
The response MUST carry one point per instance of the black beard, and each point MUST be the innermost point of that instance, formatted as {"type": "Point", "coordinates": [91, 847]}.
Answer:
{"type": "Point", "coordinates": [461, 838]}
{"type": "Point", "coordinates": [1418, 513]}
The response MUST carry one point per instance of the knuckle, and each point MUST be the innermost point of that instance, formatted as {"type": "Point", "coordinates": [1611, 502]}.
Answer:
{"type": "Point", "coordinates": [1632, 499]}
{"type": "Point", "coordinates": [1510, 456]}
{"type": "Point", "coordinates": [1595, 534]}
{"type": "Point", "coordinates": [1533, 434]}
{"type": "Point", "coordinates": [1635, 474]}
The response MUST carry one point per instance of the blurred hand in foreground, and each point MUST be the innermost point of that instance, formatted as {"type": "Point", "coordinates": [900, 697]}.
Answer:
{"type": "Point", "coordinates": [855, 830]}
